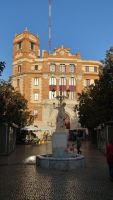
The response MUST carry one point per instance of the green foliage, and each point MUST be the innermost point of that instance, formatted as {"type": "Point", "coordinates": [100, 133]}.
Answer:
{"type": "Point", "coordinates": [96, 102]}
{"type": "Point", "coordinates": [2, 66]}
{"type": "Point", "coordinates": [13, 106]}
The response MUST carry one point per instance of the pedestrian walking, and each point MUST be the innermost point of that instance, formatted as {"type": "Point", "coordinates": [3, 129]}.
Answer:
{"type": "Point", "coordinates": [78, 145]}
{"type": "Point", "coordinates": [109, 155]}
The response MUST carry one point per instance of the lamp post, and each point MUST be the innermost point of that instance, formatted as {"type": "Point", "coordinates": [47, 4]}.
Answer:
{"type": "Point", "coordinates": [61, 97]}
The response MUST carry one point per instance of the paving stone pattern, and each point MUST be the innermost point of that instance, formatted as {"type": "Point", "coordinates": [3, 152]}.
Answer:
{"type": "Point", "coordinates": [20, 180]}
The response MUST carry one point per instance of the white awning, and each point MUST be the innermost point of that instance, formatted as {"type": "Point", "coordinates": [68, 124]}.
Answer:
{"type": "Point", "coordinates": [30, 128]}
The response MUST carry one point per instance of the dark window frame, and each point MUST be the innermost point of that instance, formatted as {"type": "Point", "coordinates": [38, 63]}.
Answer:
{"type": "Point", "coordinates": [70, 68]}
{"type": "Point", "coordinates": [19, 68]}
{"type": "Point", "coordinates": [52, 65]}
{"type": "Point", "coordinates": [32, 46]}
{"type": "Point", "coordinates": [36, 67]}
{"type": "Point", "coordinates": [87, 82]}
{"type": "Point", "coordinates": [86, 68]}
{"type": "Point", "coordinates": [62, 68]}
{"type": "Point", "coordinates": [95, 68]}
{"type": "Point", "coordinates": [19, 45]}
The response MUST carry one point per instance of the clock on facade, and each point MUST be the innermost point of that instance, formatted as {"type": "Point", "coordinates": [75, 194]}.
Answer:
{"type": "Point", "coordinates": [62, 52]}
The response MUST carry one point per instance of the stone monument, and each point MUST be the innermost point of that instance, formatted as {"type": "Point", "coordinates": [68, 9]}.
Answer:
{"type": "Point", "coordinates": [60, 136]}
{"type": "Point", "coordinates": [60, 158]}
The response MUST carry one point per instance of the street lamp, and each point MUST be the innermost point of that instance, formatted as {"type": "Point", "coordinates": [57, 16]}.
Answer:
{"type": "Point", "coordinates": [68, 91]}
{"type": "Point", "coordinates": [60, 97]}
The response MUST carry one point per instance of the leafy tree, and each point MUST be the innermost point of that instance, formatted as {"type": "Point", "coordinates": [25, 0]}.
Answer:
{"type": "Point", "coordinates": [2, 66]}
{"type": "Point", "coordinates": [13, 106]}
{"type": "Point", "coordinates": [96, 102]}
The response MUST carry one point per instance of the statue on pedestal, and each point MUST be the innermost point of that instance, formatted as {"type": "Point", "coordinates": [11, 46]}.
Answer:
{"type": "Point", "coordinates": [60, 122]}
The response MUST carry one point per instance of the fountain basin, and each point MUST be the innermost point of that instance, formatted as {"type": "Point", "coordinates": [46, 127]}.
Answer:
{"type": "Point", "coordinates": [67, 163]}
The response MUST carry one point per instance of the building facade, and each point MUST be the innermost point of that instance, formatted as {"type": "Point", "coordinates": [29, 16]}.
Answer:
{"type": "Point", "coordinates": [37, 74]}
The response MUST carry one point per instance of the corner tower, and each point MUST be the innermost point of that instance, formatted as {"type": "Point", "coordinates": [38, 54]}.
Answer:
{"type": "Point", "coordinates": [25, 48]}
{"type": "Point", "coordinates": [27, 69]}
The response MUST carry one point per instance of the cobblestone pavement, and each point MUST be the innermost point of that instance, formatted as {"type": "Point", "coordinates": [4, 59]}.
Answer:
{"type": "Point", "coordinates": [20, 179]}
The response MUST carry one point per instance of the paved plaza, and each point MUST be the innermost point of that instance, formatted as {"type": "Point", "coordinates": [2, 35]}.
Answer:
{"type": "Point", "coordinates": [20, 179]}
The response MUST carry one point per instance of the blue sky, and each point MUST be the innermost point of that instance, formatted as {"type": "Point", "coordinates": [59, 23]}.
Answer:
{"type": "Point", "coordinates": [84, 26]}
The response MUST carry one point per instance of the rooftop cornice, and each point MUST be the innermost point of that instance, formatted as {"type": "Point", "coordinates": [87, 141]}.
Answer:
{"type": "Point", "coordinates": [58, 60]}
{"type": "Point", "coordinates": [26, 31]}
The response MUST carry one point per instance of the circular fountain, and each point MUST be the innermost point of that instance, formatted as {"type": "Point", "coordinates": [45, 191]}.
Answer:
{"type": "Point", "coordinates": [60, 158]}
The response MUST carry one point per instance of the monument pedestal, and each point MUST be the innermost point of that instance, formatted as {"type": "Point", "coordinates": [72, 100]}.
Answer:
{"type": "Point", "coordinates": [59, 143]}
{"type": "Point", "coordinates": [60, 158]}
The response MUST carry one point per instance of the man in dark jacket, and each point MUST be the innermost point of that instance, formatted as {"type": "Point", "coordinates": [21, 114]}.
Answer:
{"type": "Point", "coordinates": [109, 155]}
{"type": "Point", "coordinates": [78, 145]}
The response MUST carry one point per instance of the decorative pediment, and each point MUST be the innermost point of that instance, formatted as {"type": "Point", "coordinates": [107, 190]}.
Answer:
{"type": "Point", "coordinates": [62, 51]}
